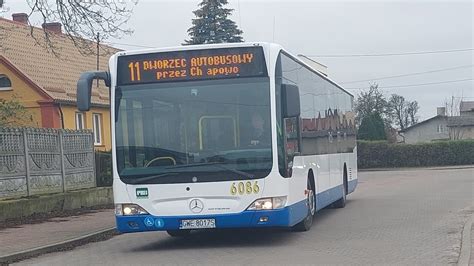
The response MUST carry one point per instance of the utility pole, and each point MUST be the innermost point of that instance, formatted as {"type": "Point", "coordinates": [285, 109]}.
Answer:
{"type": "Point", "coordinates": [452, 105]}
{"type": "Point", "coordinates": [98, 43]}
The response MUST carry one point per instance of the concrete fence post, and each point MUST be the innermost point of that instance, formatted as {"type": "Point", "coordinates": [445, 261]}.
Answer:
{"type": "Point", "coordinates": [61, 152]}
{"type": "Point", "coordinates": [27, 163]}
{"type": "Point", "coordinates": [94, 165]}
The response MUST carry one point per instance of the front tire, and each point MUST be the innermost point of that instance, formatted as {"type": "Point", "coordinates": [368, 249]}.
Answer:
{"type": "Point", "coordinates": [307, 222]}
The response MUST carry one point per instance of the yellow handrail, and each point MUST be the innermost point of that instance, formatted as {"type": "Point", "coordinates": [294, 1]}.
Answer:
{"type": "Point", "coordinates": [161, 158]}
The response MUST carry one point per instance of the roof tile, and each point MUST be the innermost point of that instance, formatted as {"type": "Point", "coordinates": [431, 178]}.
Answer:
{"type": "Point", "coordinates": [56, 74]}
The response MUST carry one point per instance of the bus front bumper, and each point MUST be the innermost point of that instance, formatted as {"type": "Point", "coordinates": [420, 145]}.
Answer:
{"type": "Point", "coordinates": [284, 217]}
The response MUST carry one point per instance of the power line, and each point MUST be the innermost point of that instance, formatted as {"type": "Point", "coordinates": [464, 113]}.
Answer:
{"type": "Point", "coordinates": [415, 85]}
{"type": "Point", "coordinates": [393, 54]}
{"type": "Point", "coordinates": [409, 74]}
{"type": "Point", "coordinates": [339, 55]}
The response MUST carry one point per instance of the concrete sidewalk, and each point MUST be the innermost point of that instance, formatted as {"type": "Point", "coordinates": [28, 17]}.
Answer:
{"type": "Point", "coordinates": [31, 238]}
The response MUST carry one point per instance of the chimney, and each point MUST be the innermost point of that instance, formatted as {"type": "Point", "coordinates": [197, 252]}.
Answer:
{"type": "Point", "coordinates": [20, 17]}
{"type": "Point", "coordinates": [53, 26]}
{"type": "Point", "coordinates": [441, 111]}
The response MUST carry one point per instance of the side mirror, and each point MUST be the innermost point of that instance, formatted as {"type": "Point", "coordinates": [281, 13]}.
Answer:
{"type": "Point", "coordinates": [291, 100]}
{"type": "Point", "coordinates": [84, 87]}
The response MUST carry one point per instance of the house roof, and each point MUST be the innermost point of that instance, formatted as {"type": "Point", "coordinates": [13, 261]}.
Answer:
{"type": "Point", "coordinates": [55, 74]}
{"type": "Point", "coordinates": [466, 106]}
{"type": "Point", "coordinates": [423, 122]}
{"type": "Point", "coordinates": [460, 121]}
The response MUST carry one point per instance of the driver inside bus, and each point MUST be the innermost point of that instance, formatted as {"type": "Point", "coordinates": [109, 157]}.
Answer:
{"type": "Point", "coordinates": [259, 134]}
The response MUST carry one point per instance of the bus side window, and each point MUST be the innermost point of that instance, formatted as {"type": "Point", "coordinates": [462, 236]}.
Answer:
{"type": "Point", "coordinates": [291, 134]}
{"type": "Point", "coordinates": [291, 142]}
{"type": "Point", "coordinates": [288, 112]}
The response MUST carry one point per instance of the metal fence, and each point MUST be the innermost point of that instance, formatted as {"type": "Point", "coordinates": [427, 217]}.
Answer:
{"type": "Point", "coordinates": [37, 161]}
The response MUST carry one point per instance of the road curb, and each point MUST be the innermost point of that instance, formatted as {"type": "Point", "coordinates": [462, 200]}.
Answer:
{"type": "Point", "coordinates": [466, 242]}
{"type": "Point", "coordinates": [73, 242]}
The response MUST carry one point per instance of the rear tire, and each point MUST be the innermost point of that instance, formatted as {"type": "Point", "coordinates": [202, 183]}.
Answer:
{"type": "Point", "coordinates": [178, 233]}
{"type": "Point", "coordinates": [341, 203]}
{"type": "Point", "coordinates": [307, 222]}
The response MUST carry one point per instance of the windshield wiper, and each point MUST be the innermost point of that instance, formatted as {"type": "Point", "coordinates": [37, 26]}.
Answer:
{"type": "Point", "coordinates": [138, 180]}
{"type": "Point", "coordinates": [192, 165]}
{"type": "Point", "coordinates": [218, 165]}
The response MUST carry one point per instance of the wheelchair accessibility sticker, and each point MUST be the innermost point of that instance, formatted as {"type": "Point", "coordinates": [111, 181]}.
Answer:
{"type": "Point", "coordinates": [149, 222]}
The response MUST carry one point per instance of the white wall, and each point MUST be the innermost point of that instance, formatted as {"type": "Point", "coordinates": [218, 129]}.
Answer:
{"type": "Point", "coordinates": [428, 131]}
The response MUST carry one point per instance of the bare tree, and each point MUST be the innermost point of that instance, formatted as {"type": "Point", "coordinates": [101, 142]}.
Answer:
{"type": "Point", "coordinates": [397, 107]}
{"type": "Point", "coordinates": [452, 106]}
{"type": "Point", "coordinates": [403, 112]}
{"type": "Point", "coordinates": [456, 130]}
{"type": "Point", "coordinates": [412, 110]}
{"type": "Point", "coordinates": [82, 21]}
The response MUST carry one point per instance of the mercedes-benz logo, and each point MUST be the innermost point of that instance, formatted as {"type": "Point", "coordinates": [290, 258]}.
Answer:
{"type": "Point", "coordinates": [196, 206]}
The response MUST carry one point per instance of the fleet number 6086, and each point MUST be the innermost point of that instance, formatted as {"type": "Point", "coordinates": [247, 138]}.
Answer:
{"type": "Point", "coordinates": [244, 188]}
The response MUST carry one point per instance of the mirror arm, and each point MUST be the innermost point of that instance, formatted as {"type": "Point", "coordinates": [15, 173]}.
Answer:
{"type": "Point", "coordinates": [84, 87]}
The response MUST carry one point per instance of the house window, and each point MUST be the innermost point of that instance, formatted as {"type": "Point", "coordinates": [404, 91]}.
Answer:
{"type": "Point", "coordinates": [97, 126]}
{"type": "Point", "coordinates": [441, 128]}
{"type": "Point", "coordinates": [80, 121]}
{"type": "Point", "coordinates": [5, 83]}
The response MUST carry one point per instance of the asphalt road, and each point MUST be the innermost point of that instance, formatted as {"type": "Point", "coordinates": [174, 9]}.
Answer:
{"type": "Point", "coordinates": [395, 217]}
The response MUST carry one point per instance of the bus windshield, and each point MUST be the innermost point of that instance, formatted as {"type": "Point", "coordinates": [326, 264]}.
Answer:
{"type": "Point", "coordinates": [193, 131]}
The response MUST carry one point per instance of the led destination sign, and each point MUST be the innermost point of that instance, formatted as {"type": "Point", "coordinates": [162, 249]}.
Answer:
{"type": "Point", "coordinates": [191, 65]}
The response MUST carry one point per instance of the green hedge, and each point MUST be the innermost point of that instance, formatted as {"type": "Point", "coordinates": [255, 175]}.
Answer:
{"type": "Point", "coordinates": [103, 168]}
{"type": "Point", "coordinates": [380, 154]}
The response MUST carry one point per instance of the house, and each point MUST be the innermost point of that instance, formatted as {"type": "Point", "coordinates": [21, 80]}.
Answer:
{"type": "Point", "coordinates": [466, 108]}
{"type": "Point", "coordinates": [461, 127]}
{"type": "Point", "coordinates": [440, 127]}
{"type": "Point", "coordinates": [432, 129]}
{"type": "Point", "coordinates": [45, 82]}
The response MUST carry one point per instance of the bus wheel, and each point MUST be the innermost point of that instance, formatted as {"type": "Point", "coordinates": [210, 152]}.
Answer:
{"type": "Point", "coordinates": [306, 224]}
{"type": "Point", "coordinates": [178, 233]}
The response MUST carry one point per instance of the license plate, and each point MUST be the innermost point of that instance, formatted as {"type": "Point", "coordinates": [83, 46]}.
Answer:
{"type": "Point", "coordinates": [198, 224]}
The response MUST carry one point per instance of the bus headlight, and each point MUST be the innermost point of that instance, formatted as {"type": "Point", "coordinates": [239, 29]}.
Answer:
{"type": "Point", "coordinates": [268, 204]}
{"type": "Point", "coordinates": [129, 209]}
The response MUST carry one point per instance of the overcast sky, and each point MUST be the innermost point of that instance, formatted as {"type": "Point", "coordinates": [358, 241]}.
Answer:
{"type": "Point", "coordinates": [340, 28]}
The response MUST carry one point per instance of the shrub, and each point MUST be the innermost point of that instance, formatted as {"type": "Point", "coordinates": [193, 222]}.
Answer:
{"type": "Point", "coordinates": [373, 154]}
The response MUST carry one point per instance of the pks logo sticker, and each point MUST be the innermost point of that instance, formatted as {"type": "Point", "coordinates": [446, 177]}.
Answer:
{"type": "Point", "coordinates": [141, 193]}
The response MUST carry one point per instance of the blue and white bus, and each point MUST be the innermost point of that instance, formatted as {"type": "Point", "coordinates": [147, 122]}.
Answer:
{"type": "Point", "coordinates": [224, 136]}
